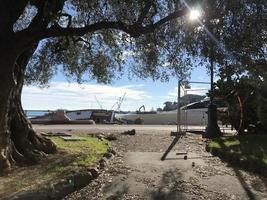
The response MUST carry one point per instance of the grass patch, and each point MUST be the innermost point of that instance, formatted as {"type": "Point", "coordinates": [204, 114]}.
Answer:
{"type": "Point", "coordinates": [250, 148]}
{"type": "Point", "coordinates": [72, 156]}
{"type": "Point", "coordinates": [86, 153]}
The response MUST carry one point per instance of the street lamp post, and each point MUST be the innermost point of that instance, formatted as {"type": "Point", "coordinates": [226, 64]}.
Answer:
{"type": "Point", "coordinates": [212, 129]}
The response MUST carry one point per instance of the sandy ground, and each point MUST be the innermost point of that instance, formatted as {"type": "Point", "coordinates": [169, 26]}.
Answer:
{"type": "Point", "coordinates": [147, 129]}
{"type": "Point", "coordinates": [138, 173]}
{"type": "Point", "coordinates": [105, 128]}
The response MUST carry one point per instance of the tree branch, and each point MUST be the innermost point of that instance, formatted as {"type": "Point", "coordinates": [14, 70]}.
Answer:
{"type": "Point", "coordinates": [144, 12]}
{"type": "Point", "coordinates": [80, 39]}
{"type": "Point", "coordinates": [17, 9]}
{"type": "Point", "coordinates": [56, 31]}
{"type": "Point", "coordinates": [10, 11]}
{"type": "Point", "coordinates": [68, 16]}
{"type": "Point", "coordinates": [134, 30]}
{"type": "Point", "coordinates": [170, 17]}
{"type": "Point", "coordinates": [35, 34]}
{"type": "Point", "coordinates": [38, 19]}
{"type": "Point", "coordinates": [40, 22]}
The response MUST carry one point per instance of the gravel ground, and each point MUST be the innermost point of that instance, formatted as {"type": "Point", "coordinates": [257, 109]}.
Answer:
{"type": "Point", "coordinates": [137, 173]}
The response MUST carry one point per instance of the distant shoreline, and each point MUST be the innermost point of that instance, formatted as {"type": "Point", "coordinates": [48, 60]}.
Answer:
{"type": "Point", "coordinates": [36, 113]}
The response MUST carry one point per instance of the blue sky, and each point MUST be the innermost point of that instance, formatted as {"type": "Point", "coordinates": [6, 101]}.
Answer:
{"type": "Point", "coordinates": [70, 95]}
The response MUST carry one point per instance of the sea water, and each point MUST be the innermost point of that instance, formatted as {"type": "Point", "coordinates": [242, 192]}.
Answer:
{"type": "Point", "coordinates": [35, 113]}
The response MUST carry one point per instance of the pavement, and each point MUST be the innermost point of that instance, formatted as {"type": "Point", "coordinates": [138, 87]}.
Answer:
{"type": "Point", "coordinates": [137, 171]}
{"type": "Point", "coordinates": [174, 178]}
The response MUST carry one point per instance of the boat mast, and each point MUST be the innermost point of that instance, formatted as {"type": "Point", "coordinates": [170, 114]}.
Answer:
{"type": "Point", "coordinates": [100, 105]}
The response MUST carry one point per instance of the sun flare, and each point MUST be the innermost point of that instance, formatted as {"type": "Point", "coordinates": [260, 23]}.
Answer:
{"type": "Point", "coordinates": [194, 14]}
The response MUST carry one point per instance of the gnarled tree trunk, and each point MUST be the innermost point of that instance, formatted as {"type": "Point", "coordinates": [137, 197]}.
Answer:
{"type": "Point", "coordinates": [19, 143]}
{"type": "Point", "coordinates": [7, 85]}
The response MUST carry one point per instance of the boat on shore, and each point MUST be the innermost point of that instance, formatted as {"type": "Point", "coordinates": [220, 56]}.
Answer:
{"type": "Point", "coordinates": [169, 117]}
{"type": "Point", "coordinates": [191, 114]}
{"type": "Point", "coordinates": [85, 116]}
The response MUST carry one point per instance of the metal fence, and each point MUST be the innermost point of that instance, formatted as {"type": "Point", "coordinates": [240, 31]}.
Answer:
{"type": "Point", "coordinates": [191, 117]}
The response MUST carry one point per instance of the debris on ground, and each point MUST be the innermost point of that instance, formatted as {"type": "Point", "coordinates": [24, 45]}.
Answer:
{"type": "Point", "coordinates": [139, 121]}
{"type": "Point", "coordinates": [100, 136]}
{"type": "Point", "coordinates": [56, 134]}
{"type": "Point", "coordinates": [73, 138]}
{"type": "Point", "coordinates": [130, 132]}
{"type": "Point", "coordinates": [95, 172]}
{"type": "Point", "coordinates": [110, 137]}
{"type": "Point", "coordinates": [112, 151]}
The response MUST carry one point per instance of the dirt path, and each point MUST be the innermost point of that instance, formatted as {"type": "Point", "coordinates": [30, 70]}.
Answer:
{"type": "Point", "coordinates": [138, 173]}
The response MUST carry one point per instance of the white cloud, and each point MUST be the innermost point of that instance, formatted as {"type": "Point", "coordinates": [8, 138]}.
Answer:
{"type": "Point", "coordinates": [133, 86]}
{"type": "Point", "coordinates": [74, 96]}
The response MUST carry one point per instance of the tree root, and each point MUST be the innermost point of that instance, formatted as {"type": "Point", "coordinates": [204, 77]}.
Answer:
{"type": "Point", "coordinates": [31, 149]}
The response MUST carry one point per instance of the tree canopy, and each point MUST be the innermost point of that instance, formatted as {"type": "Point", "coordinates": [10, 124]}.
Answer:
{"type": "Point", "coordinates": [154, 37]}
{"type": "Point", "coordinates": [94, 38]}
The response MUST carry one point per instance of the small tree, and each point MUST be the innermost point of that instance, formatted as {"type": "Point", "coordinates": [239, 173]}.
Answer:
{"type": "Point", "coordinates": [246, 97]}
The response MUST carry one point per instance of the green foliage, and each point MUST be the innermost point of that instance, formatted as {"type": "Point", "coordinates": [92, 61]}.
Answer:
{"type": "Point", "coordinates": [232, 32]}
{"type": "Point", "coordinates": [102, 54]}
{"type": "Point", "coordinates": [251, 148]}
{"type": "Point", "coordinates": [245, 92]}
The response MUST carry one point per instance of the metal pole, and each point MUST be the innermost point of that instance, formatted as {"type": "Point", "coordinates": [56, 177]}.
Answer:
{"type": "Point", "coordinates": [211, 79]}
{"type": "Point", "coordinates": [212, 130]}
{"type": "Point", "coordinates": [178, 108]}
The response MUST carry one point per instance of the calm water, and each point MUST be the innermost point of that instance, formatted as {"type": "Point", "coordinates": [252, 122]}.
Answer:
{"type": "Point", "coordinates": [32, 113]}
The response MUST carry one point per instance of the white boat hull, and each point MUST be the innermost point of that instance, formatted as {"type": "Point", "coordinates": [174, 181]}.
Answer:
{"type": "Point", "coordinates": [197, 117]}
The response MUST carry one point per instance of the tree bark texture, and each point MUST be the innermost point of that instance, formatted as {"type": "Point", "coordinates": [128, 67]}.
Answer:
{"type": "Point", "coordinates": [6, 88]}
{"type": "Point", "coordinates": [19, 143]}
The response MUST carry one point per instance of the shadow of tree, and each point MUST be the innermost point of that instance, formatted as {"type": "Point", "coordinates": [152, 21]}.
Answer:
{"type": "Point", "coordinates": [244, 184]}
{"type": "Point", "coordinates": [250, 148]}
{"type": "Point", "coordinates": [168, 188]}
{"type": "Point", "coordinates": [242, 148]}
{"type": "Point", "coordinates": [117, 192]}
{"type": "Point", "coordinates": [62, 159]}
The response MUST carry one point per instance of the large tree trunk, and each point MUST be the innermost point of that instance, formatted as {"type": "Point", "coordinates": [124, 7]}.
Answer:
{"type": "Point", "coordinates": [6, 87]}
{"type": "Point", "coordinates": [19, 143]}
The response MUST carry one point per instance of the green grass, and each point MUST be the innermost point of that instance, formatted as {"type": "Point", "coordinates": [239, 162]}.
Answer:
{"type": "Point", "coordinates": [72, 156]}
{"type": "Point", "coordinates": [251, 148]}
{"type": "Point", "coordinates": [84, 153]}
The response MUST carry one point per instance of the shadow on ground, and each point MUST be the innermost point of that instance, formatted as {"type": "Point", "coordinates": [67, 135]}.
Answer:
{"type": "Point", "coordinates": [168, 188]}
{"type": "Point", "coordinates": [246, 187]}
{"type": "Point", "coordinates": [251, 149]}
{"type": "Point", "coordinates": [119, 194]}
